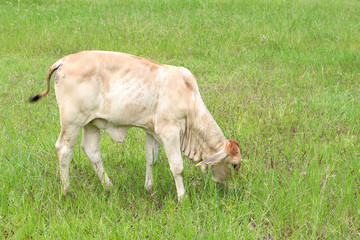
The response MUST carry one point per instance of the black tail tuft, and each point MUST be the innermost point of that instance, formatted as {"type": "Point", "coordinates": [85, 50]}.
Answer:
{"type": "Point", "coordinates": [35, 98]}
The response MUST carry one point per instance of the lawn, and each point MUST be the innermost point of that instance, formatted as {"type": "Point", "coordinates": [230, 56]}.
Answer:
{"type": "Point", "coordinates": [280, 77]}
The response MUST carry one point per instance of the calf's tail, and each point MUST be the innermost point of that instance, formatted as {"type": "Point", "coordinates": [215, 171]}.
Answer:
{"type": "Point", "coordinates": [52, 69]}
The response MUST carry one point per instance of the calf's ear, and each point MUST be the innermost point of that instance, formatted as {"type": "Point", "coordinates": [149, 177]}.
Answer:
{"type": "Point", "coordinates": [216, 158]}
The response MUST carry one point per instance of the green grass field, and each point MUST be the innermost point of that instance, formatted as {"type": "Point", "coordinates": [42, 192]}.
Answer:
{"type": "Point", "coordinates": [281, 77]}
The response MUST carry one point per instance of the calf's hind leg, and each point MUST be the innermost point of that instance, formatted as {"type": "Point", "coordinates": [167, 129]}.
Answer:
{"type": "Point", "coordinates": [64, 148]}
{"type": "Point", "coordinates": [91, 146]}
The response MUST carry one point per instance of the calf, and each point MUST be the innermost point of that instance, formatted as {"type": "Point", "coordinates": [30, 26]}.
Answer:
{"type": "Point", "coordinates": [115, 91]}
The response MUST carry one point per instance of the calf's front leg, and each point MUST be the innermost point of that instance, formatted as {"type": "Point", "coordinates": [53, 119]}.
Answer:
{"type": "Point", "coordinates": [170, 138]}
{"type": "Point", "coordinates": [152, 151]}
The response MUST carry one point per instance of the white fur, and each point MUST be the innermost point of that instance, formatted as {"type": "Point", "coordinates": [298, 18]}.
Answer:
{"type": "Point", "coordinates": [115, 91]}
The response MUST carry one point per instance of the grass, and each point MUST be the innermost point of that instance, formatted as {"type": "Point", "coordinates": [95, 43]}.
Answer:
{"type": "Point", "coordinates": [281, 77]}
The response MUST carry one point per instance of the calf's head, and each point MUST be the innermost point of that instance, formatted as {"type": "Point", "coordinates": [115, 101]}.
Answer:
{"type": "Point", "coordinates": [224, 162]}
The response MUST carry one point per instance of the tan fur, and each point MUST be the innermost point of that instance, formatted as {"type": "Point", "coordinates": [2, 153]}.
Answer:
{"type": "Point", "coordinates": [233, 148]}
{"type": "Point", "coordinates": [115, 91]}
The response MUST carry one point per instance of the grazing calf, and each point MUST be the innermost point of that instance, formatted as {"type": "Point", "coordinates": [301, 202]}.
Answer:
{"type": "Point", "coordinates": [115, 91]}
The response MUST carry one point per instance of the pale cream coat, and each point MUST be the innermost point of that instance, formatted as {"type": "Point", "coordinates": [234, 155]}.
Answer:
{"type": "Point", "coordinates": [115, 91]}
